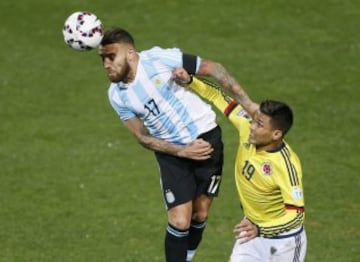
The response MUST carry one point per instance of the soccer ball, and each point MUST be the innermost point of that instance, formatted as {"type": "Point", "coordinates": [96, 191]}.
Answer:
{"type": "Point", "coordinates": [83, 31]}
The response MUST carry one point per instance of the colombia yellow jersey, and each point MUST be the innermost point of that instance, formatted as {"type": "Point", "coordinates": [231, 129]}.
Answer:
{"type": "Point", "coordinates": [269, 183]}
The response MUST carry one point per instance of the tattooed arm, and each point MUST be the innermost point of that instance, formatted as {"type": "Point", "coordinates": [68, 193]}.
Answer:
{"type": "Point", "coordinates": [228, 83]}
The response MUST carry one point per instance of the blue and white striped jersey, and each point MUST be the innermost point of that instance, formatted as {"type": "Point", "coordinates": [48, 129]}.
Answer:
{"type": "Point", "coordinates": [169, 111]}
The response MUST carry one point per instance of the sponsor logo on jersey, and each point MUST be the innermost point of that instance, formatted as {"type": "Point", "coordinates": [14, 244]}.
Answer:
{"type": "Point", "coordinates": [170, 198]}
{"type": "Point", "coordinates": [266, 168]}
{"type": "Point", "coordinates": [297, 193]}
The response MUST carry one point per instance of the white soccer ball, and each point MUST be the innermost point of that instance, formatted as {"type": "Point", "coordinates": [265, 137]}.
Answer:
{"type": "Point", "coordinates": [83, 31]}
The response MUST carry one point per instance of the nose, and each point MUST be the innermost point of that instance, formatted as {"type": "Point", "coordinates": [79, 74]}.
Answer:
{"type": "Point", "coordinates": [252, 126]}
{"type": "Point", "coordinates": [106, 62]}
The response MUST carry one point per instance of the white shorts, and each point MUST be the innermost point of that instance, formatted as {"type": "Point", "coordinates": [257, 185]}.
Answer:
{"type": "Point", "coordinates": [287, 247]}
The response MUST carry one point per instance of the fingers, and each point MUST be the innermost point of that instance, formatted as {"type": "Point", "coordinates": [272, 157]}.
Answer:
{"type": "Point", "coordinates": [241, 233]}
{"type": "Point", "coordinates": [239, 228]}
{"type": "Point", "coordinates": [202, 153]}
{"type": "Point", "coordinates": [245, 230]}
{"type": "Point", "coordinates": [200, 158]}
{"type": "Point", "coordinates": [202, 147]}
{"type": "Point", "coordinates": [197, 150]}
{"type": "Point", "coordinates": [180, 75]}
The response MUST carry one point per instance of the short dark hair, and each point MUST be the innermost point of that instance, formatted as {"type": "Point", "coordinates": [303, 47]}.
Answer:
{"type": "Point", "coordinates": [117, 35]}
{"type": "Point", "coordinates": [280, 114]}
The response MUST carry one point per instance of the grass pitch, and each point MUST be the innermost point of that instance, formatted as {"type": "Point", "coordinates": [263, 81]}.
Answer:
{"type": "Point", "coordinates": [76, 187]}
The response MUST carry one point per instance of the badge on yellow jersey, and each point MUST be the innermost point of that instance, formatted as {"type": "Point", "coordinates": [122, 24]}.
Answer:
{"type": "Point", "coordinates": [266, 168]}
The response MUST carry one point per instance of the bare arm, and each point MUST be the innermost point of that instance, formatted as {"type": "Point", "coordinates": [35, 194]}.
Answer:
{"type": "Point", "coordinates": [228, 83]}
{"type": "Point", "coordinates": [198, 150]}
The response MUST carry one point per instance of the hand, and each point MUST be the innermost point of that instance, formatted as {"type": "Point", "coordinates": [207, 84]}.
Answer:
{"type": "Point", "coordinates": [197, 150]}
{"type": "Point", "coordinates": [181, 76]}
{"type": "Point", "coordinates": [245, 230]}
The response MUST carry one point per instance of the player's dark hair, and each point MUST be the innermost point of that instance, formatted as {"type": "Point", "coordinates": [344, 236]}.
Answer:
{"type": "Point", "coordinates": [117, 35]}
{"type": "Point", "coordinates": [280, 114]}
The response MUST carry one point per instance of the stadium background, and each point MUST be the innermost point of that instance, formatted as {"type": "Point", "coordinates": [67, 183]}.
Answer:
{"type": "Point", "coordinates": [76, 187]}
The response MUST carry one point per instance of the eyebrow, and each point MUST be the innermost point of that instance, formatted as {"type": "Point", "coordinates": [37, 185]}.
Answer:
{"type": "Point", "coordinates": [260, 121]}
{"type": "Point", "coordinates": [257, 116]}
{"type": "Point", "coordinates": [106, 54]}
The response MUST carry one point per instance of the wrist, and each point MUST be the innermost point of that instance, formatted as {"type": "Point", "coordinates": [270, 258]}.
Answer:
{"type": "Point", "coordinates": [258, 230]}
{"type": "Point", "coordinates": [179, 151]}
{"type": "Point", "coordinates": [190, 80]}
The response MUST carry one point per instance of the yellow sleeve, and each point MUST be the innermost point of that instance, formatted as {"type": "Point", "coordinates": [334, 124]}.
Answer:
{"type": "Point", "coordinates": [211, 92]}
{"type": "Point", "coordinates": [220, 100]}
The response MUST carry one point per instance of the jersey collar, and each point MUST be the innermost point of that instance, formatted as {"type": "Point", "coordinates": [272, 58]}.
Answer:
{"type": "Point", "coordinates": [276, 149]}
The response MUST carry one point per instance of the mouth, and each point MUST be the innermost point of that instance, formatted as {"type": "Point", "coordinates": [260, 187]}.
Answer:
{"type": "Point", "coordinates": [109, 72]}
{"type": "Point", "coordinates": [111, 75]}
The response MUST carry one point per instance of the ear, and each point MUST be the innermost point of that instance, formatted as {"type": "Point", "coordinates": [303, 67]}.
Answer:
{"type": "Point", "coordinates": [277, 134]}
{"type": "Point", "coordinates": [130, 55]}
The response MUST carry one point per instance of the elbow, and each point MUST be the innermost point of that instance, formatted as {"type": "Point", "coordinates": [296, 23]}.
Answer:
{"type": "Point", "coordinates": [143, 140]}
{"type": "Point", "coordinates": [143, 144]}
{"type": "Point", "coordinates": [208, 68]}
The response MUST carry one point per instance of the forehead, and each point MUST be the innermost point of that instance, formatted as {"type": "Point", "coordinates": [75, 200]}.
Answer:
{"type": "Point", "coordinates": [110, 48]}
{"type": "Point", "coordinates": [261, 117]}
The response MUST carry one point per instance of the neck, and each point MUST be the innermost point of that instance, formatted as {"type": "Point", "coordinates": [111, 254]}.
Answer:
{"type": "Point", "coordinates": [133, 63]}
{"type": "Point", "coordinates": [270, 147]}
{"type": "Point", "coordinates": [129, 77]}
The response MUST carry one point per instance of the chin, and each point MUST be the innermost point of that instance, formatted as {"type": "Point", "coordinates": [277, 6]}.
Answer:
{"type": "Point", "coordinates": [114, 79]}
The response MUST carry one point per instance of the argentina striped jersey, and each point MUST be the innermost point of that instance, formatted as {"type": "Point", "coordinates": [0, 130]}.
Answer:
{"type": "Point", "coordinates": [169, 111]}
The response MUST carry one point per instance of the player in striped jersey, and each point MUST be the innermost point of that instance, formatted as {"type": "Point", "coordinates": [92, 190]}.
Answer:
{"type": "Point", "coordinates": [268, 176]}
{"type": "Point", "coordinates": [176, 124]}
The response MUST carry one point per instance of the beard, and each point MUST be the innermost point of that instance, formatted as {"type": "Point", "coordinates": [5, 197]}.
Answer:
{"type": "Point", "coordinates": [122, 76]}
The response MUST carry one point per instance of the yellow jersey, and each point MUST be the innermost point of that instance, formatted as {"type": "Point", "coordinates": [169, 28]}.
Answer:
{"type": "Point", "coordinates": [269, 183]}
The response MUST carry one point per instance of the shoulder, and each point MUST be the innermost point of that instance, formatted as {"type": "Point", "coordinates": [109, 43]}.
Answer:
{"type": "Point", "coordinates": [114, 91]}
{"type": "Point", "coordinates": [286, 159]}
{"type": "Point", "coordinates": [114, 87]}
{"type": "Point", "coordinates": [159, 51]}
{"type": "Point", "coordinates": [292, 155]}
{"type": "Point", "coordinates": [289, 151]}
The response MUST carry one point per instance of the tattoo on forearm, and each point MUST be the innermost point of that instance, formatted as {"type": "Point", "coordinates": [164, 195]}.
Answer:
{"type": "Point", "coordinates": [159, 145]}
{"type": "Point", "coordinates": [231, 85]}
{"type": "Point", "coordinates": [223, 77]}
